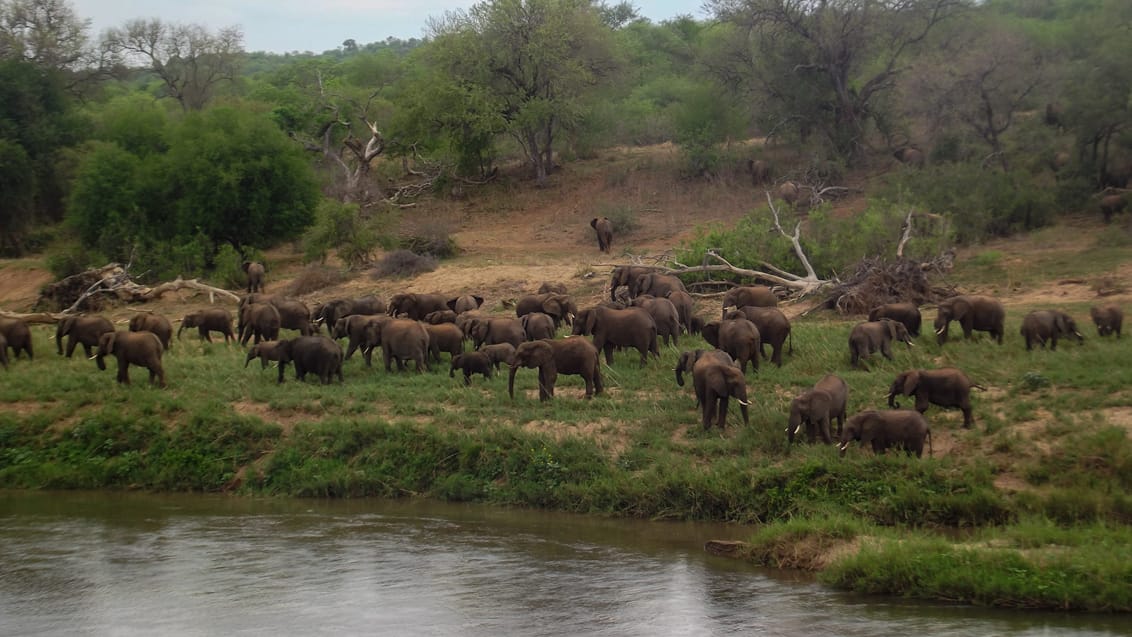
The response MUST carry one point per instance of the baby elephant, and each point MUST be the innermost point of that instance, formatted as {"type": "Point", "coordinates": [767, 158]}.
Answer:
{"type": "Point", "coordinates": [471, 363]}
{"type": "Point", "coordinates": [874, 336]}
{"type": "Point", "coordinates": [1040, 326]}
{"type": "Point", "coordinates": [902, 428]}
{"type": "Point", "coordinates": [817, 407]}
{"type": "Point", "coordinates": [265, 351]}
{"type": "Point", "coordinates": [1108, 319]}
{"type": "Point", "coordinates": [945, 387]}
{"type": "Point", "coordinates": [499, 353]}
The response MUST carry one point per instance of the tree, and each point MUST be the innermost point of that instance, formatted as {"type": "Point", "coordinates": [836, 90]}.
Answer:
{"type": "Point", "coordinates": [824, 64]}
{"type": "Point", "coordinates": [531, 61]}
{"type": "Point", "coordinates": [190, 61]}
{"type": "Point", "coordinates": [47, 33]}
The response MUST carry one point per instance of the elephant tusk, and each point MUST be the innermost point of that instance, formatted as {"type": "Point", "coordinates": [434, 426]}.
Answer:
{"type": "Point", "coordinates": [743, 402]}
{"type": "Point", "coordinates": [92, 357]}
{"type": "Point", "coordinates": [939, 331]}
{"type": "Point", "coordinates": [843, 446]}
{"type": "Point", "coordinates": [910, 344]}
{"type": "Point", "coordinates": [798, 430]}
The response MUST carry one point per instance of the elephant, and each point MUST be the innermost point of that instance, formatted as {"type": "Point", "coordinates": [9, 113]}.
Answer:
{"type": "Point", "coordinates": [401, 339]}
{"type": "Point", "coordinates": [560, 307]}
{"type": "Point", "coordinates": [696, 324]}
{"type": "Point", "coordinates": [774, 329]}
{"type": "Point", "coordinates": [156, 323]}
{"type": "Point", "coordinates": [498, 353]}
{"type": "Point", "coordinates": [715, 383]}
{"type": "Point", "coordinates": [295, 315]}
{"type": "Point", "coordinates": [417, 306]}
{"type": "Point", "coordinates": [259, 320]}
{"type": "Point", "coordinates": [631, 327]}
{"type": "Point", "coordinates": [537, 325]}
{"type": "Point", "coordinates": [464, 303]}
{"type": "Point", "coordinates": [817, 408]}
{"type": "Point", "coordinates": [79, 329]}
{"type": "Point", "coordinates": [625, 275]}
{"type": "Point", "coordinates": [604, 229]}
{"type": "Point", "coordinates": [552, 286]}
{"type": "Point", "coordinates": [264, 351]}
{"type": "Point", "coordinates": [759, 170]}
{"type": "Point", "coordinates": [17, 335]}
{"type": "Point", "coordinates": [1040, 326]}
{"type": "Point", "coordinates": [901, 428]}
{"type": "Point", "coordinates": [446, 338]}
{"type": "Point", "coordinates": [664, 314]}
{"type": "Point", "coordinates": [1055, 115]}
{"type": "Point", "coordinates": [1108, 319]}
{"type": "Point", "coordinates": [909, 156]}
{"type": "Point", "coordinates": [906, 313]}
{"type": "Point", "coordinates": [658, 285]}
{"type": "Point", "coordinates": [335, 309]}
{"type": "Point", "coordinates": [738, 337]}
{"type": "Point", "coordinates": [488, 331]}
{"type": "Point", "coordinates": [872, 336]}
{"type": "Point", "coordinates": [355, 326]}
{"type": "Point", "coordinates": [685, 307]}
{"type": "Point", "coordinates": [974, 312]}
{"type": "Point", "coordinates": [946, 387]}
{"type": "Point", "coordinates": [132, 348]}
{"type": "Point", "coordinates": [314, 354]}
{"type": "Point", "coordinates": [255, 272]}
{"type": "Point", "coordinates": [441, 316]}
{"type": "Point", "coordinates": [573, 355]}
{"type": "Point", "coordinates": [213, 319]}
{"type": "Point", "coordinates": [789, 192]}
{"type": "Point", "coordinates": [471, 363]}
{"type": "Point", "coordinates": [688, 360]}
{"type": "Point", "coordinates": [749, 296]}
{"type": "Point", "coordinates": [1111, 205]}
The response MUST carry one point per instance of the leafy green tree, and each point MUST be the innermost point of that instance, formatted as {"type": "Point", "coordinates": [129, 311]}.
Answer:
{"type": "Point", "coordinates": [532, 62]}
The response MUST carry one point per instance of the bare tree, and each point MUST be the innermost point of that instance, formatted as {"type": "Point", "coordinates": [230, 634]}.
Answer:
{"type": "Point", "coordinates": [190, 61]}
{"type": "Point", "coordinates": [45, 32]}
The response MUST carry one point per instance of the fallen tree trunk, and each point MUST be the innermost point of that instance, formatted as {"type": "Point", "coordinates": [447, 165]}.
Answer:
{"type": "Point", "coordinates": [84, 291]}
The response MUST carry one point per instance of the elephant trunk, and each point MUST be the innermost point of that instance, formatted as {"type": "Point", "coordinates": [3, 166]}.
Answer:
{"type": "Point", "coordinates": [743, 410]}
{"type": "Point", "coordinates": [511, 381]}
{"type": "Point", "coordinates": [680, 376]}
{"type": "Point", "coordinates": [180, 329]}
{"type": "Point", "coordinates": [251, 355]}
{"type": "Point", "coordinates": [98, 361]}
{"type": "Point", "coordinates": [892, 400]}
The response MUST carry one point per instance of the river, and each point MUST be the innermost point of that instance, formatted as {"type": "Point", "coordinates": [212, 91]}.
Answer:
{"type": "Point", "coordinates": [128, 564]}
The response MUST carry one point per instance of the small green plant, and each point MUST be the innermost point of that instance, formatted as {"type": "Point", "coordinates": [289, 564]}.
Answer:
{"type": "Point", "coordinates": [987, 258]}
{"type": "Point", "coordinates": [1033, 381]}
{"type": "Point", "coordinates": [623, 216]}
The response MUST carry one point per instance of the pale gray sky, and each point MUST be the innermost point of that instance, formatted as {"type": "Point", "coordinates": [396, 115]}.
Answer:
{"type": "Point", "coordinates": [311, 25]}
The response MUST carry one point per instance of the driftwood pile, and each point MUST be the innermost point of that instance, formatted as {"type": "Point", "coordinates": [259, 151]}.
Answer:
{"type": "Point", "coordinates": [879, 280]}
{"type": "Point", "coordinates": [90, 290]}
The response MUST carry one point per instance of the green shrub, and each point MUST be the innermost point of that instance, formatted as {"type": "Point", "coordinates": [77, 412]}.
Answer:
{"type": "Point", "coordinates": [343, 227]}
{"type": "Point", "coordinates": [623, 216]}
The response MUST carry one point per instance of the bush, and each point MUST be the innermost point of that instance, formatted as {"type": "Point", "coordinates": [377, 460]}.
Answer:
{"type": "Point", "coordinates": [435, 243]}
{"type": "Point", "coordinates": [624, 218]}
{"type": "Point", "coordinates": [314, 278]}
{"type": "Point", "coordinates": [403, 264]}
{"type": "Point", "coordinates": [342, 227]}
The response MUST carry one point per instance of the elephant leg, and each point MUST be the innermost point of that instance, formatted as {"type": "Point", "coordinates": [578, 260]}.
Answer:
{"type": "Point", "coordinates": [886, 350]}
{"type": "Point", "coordinates": [353, 346]}
{"type": "Point", "coordinates": [1053, 342]}
{"type": "Point", "coordinates": [722, 413]}
{"type": "Point", "coordinates": [823, 429]}
{"type": "Point", "coordinates": [388, 356]}
{"type": "Point", "coordinates": [644, 355]}
{"type": "Point", "coordinates": [608, 349]}
{"type": "Point", "coordinates": [123, 372]}
{"type": "Point", "coordinates": [968, 419]}
{"type": "Point", "coordinates": [708, 406]}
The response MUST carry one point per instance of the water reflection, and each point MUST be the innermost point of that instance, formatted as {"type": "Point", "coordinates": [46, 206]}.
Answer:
{"type": "Point", "coordinates": [125, 564]}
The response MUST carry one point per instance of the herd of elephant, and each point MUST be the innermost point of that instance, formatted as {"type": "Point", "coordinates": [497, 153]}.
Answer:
{"type": "Point", "coordinates": [643, 306]}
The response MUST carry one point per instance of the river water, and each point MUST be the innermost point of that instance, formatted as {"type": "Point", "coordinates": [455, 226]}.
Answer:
{"type": "Point", "coordinates": [127, 564]}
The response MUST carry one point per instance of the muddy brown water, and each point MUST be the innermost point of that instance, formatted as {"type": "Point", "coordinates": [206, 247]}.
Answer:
{"type": "Point", "coordinates": [126, 564]}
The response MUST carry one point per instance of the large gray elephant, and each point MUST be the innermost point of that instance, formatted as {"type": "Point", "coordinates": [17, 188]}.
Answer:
{"type": "Point", "coordinates": [213, 319]}
{"type": "Point", "coordinates": [774, 329]}
{"type": "Point", "coordinates": [335, 309]}
{"type": "Point", "coordinates": [17, 335]}
{"type": "Point", "coordinates": [631, 327]}
{"type": "Point", "coordinates": [604, 229]}
{"type": "Point", "coordinates": [817, 407]}
{"type": "Point", "coordinates": [355, 327]}
{"type": "Point", "coordinates": [402, 340]}
{"type": "Point", "coordinates": [132, 348]}
{"type": "Point", "coordinates": [1108, 319]}
{"type": "Point", "coordinates": [900, 428]}
{"type": "Point", "coordinates": [445, 337]}
{"type": "Point", "coordinates": [417, 306]}
{"type": "Point", "coordinates": [559, 307]}
{"type": "Point", "coordinates": [664, 314]}
{"type": "Point", "coordinates": [488, 331]}
{"type": "Point", "coordinates": [749, 295]}
{"type": "Point", "coordinates": [715, 383]}
{"type": "Point", "coordinates": [688, 360]}
{"type": "Point", "coordinates": [974, 312]}
{"type": "Point", "coordinates": [295, 315]}
{"type": "Point", "coordinates": [256, 274]}
{"type": "Point", "coordinates": [624, 275]}
{"type": "Point", "coordinates": [1042, 326]}
{"type": "Point", "coordinates": [685, 308]}
{"type": "Point", "coordinates": [537, 325]}
{"type": "Point", "coordinates": [946, 387]}
{"type": "Point", "coordinates": [658, 285]}
{"type": "Point", "coordinates": [259, 320]}
{"type": "Point", "coordinates": [904, 312]}
{"type": "Point", "coordinates": [573, 356]}
{"type": "Point", "coordinates": [1111, 205]}
{"type": "Point", "coordinates": [156, 323]}
{"type": "Point", "coordinates": [80, 329]}
{"type": "Point", "coordinates": [738, 337]}
{"type": "Point", "coordinates": [875, 336]}
{"type": "Point", "coordinates": [314, 354]}
{"type": "Point", "coordinates": [464, 303]}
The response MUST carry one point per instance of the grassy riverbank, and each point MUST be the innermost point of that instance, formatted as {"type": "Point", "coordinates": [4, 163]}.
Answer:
{"type": "Point", "coordinates": [1038, 488]}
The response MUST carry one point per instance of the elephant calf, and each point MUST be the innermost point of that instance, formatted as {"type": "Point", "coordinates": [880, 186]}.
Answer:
{"type": "Point", "coordinates": [17, 335]}
{"type": "Point", "coordinates": [264, 351]}
{"type": "Point", "coordinates": [715, 383]}
{"type": "Point", "coordinates": [945, 387]}
{"type": "Point", "coordinates": [498, 353]}
{"type": "Point", "coordinates": [901, 428]}
{"type": "Point", "coordinates": [471, 363]}
{"type": "Point", "coordinates": [1108, 319]}
{"type": "Point", "coordinates": [873, 336]}
{"type": "Point", "coordinates": [1041, 326]}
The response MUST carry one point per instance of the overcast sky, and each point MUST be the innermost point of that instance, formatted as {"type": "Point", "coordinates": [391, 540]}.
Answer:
{"type": "Point", "coordinates": [312, 25]}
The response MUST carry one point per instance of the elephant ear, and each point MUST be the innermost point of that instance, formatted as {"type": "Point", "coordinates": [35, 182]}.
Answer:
{"type": "Point", "coordinates": [593, 223]}
{"type": "Point", "coordinates": [451, 303]}
{"type": "Point", "coordinates": [479, 300]}
{"type": "Point", "coordinates": [1061, 322]}
{"type": "Point", "coordinates": [911, 382]}
{"type": "Point", "coordinates": [591, 321]}
{"type": "Point", "coordinates": [107, 342]}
